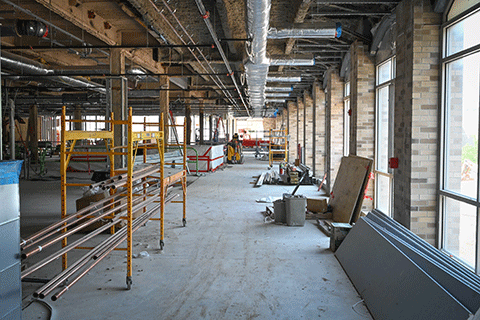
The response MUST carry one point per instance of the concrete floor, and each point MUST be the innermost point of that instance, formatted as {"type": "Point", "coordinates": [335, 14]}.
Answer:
{"type": "Point", "coordinates": [227, 263]}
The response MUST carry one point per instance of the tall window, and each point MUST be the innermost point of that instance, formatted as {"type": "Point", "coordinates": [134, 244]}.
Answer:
{"type": "Point", "coordinates": [346, 119]}
{"type": "Point", "coordinates": [459, 190]}
{"type": "Point", "coordinates": [384, 135]}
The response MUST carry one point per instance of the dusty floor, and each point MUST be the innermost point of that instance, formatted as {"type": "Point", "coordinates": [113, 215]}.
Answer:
{"type": "Point", "coordinates": [227, 263]}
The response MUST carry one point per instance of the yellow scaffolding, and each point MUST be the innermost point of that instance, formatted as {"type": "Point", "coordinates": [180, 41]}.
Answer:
{"type": "Point", "coordinates": [72, 136]}
{"type": "Point", "coordinates": [278, 146]}
{"type": "Point", "coordinates": [180, 177]}
{"type": "Point", "coordinates": [134, 139]}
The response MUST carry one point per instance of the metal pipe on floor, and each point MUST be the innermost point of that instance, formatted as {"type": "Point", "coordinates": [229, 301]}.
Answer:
{"type": "Point", "coordinates": [60, 223]}
{"type": "Point", "coordinates": [119, 177]}
{"type": "Point", "coordinates": [85, 224]}
{"type": "Point", "coordinates": [107, 250]}
{"type": "Point", "coordinates": [71, 246]}
{"type": "Point", "coordinates": [57, 280]}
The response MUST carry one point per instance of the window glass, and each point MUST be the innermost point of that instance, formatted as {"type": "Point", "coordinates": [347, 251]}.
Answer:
{"type": "Point", "coordinates": [382, 129]}
{"type": "Point", "coordinates": [383, 192]}
{"type": "Point", "coordinates": [462, 112]}
{"type": "Point", "coordinates": [461, 234]}
{"type": "Point", "coordinates": [463, 35]}
{"type": "Point", "coordinates": [384, 72]}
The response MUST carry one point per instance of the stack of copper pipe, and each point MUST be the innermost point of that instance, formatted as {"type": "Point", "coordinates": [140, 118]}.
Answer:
{"type": "Point", "coordinates": [113, 207]}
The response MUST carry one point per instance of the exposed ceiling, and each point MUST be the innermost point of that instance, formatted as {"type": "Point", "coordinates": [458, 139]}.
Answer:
{"type": "Point", "coordinates": [179, 38]}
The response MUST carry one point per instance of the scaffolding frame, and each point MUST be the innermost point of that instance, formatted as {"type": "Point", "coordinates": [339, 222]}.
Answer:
{"type": "Point", "coordinates": [278, 145]}
{"type": "Point", "coordinates": [133, 144]}
{"type": "Point", "coordinates": [180, 177]}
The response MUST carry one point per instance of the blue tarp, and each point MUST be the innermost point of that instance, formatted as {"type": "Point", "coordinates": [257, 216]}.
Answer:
{"type": "Point", "coordinates": [10, 171]}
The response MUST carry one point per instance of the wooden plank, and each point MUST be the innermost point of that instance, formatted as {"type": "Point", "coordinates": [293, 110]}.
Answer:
{"type": "Point", "coordinates": [348, 189]}
{"type": "Point", "coordinates": [259, 182]}
{"type": "Point", "coordinates": [325, 226]}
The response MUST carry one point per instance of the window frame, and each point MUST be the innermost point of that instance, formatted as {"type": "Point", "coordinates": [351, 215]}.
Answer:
{"type": "Point", "coordinates": [391, 100]}
{"type": "Point", "coordinates": [443, 193]}
{"type": "Point", "coordinates": [346, 118]}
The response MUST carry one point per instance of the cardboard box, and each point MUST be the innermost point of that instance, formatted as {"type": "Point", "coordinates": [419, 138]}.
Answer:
{"type": "Point", "coordinates": [317, 204]}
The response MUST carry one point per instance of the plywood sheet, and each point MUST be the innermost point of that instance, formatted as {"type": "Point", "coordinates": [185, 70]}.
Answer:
{"type": "Point", "coordinates": [392, 285]}
{"type": "Point", "coordinates": [348, 191]}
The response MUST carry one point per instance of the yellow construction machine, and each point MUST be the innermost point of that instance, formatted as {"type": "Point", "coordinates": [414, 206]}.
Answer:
{"type": "Point", "coordinates": [234, 150]}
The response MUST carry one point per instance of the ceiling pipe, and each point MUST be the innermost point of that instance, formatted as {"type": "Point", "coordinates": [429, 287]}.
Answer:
{"type": "Point", "coordinates": [15, 62]}
{"type": "Point", "coordinates": [50, 25]}
{"type": "Point", "coordinates": [217, 81]}
{"type": "Point", "coordinates": [205, 15]}
{"type": "Point", "coordinates": [18, 28]}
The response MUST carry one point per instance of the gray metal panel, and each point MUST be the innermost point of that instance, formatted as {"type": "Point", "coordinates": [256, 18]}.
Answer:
{"type": "Point", "coordinates": [420, 244]}
{"type": "Point", "coordinates": [15, 314]}
{"type": "Point", "coordinates": [10, 289]}
{"type": "Point", "coordinates": [9, 202]}
{"type": "Point", "coordinates": [10, 244]}
{"type": "Point", "coordinates": [453, 284]}
{"type": "Point", "coordinates": [392, 285]}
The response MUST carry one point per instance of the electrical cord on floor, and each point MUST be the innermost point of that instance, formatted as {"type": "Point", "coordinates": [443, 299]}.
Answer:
{"type": "Point", "coordinates": [46, 305]}
{"type": "Point", "coordinates": [361, 314]}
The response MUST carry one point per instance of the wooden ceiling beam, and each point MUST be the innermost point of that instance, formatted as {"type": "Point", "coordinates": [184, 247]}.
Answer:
{"type": "Point", "coordinates": [78, 14]}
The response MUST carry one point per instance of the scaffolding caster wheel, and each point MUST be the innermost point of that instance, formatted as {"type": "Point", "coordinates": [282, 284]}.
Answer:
{"type": "Point", "coordinates": [161, 244]}
{"type": "Point", "coordinates": [184, 222]}
{"type": "Point", "coordinates": [129, 283]}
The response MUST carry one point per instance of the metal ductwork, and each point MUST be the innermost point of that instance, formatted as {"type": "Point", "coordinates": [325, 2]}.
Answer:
{"type": "Point", "coordinates": [276, 100]}
{"type": "Point", "coordinates": [12, 61]}
{"type": "Point", "coordinates": [256, 69]}
{"type": "Point", "coordinates": [277, 94]}
{"type": "Point", "coordinates": [328, 33]}
{"type": "Point", "coordinates": [18, 28]}
{"type": "Point", "coordinates": [292, 62]}
{"type": "Point", "coordinates": [279, 89]}
{"type": "Point", "coordinates": [284, 79]}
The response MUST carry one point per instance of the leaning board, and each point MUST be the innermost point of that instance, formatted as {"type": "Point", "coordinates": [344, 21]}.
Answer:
{"type": "Point", "coordinates": [347, 193]}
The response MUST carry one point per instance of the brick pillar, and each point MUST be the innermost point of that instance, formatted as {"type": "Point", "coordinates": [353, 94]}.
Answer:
{"type": "Point", "coordinates": [308, 136]}
{"type": "Point", "coordinates": [416, 117]}
{"type": "Point", "coordinates": [362, 104]}
{"type": "Point", "coordinates": [292, 131]}
{"type": "Point", "coordinates": [268, 123]}
{"type": "Point", "coordinates": [320, 152]}
{"type": "Point", "coordinates": [335, 114]}
{"type": "Point", "coordinates": [300, 131]}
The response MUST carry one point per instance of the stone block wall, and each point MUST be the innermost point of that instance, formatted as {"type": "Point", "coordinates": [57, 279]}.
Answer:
{"type": "Point", "coordinates": [300, 132]}
{"type": "Point", "coordinates": [335, 113]}
{"type": "Point", "coordinates": [320, 134]}
{"type": "Point", "coordinates": [362, 104]}
{"type": "Point", "coordinates": [416, 117]}
{"type": "Point", "coordinates": [292, 130]}
{"type": "Point", "coordinates": [309, 141]}
{"type": "Point", "coordinates": [269, 123]}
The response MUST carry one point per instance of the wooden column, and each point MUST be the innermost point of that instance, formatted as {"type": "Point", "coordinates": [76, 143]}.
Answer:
{"type": "Point", "coordinates": [32, 130]}
{"type": "Point", "coordinates": [164, 101]}
{"type": "Point", "coordinates": [188, 123]}
{"type": "Point", "coordinates": [210, 128]}
{"type": "Point", "coordinates": [202, 122]}
{"type": "Point", "coordinates": [77, 115]}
